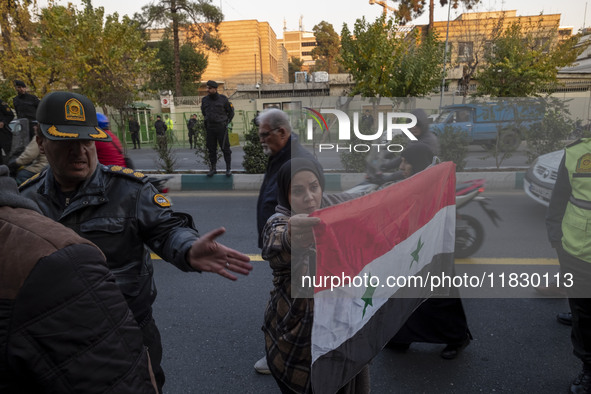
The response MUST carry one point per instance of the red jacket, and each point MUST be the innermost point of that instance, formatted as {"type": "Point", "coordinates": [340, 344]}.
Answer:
{"type": "Point", "coordinates": [110, 153]}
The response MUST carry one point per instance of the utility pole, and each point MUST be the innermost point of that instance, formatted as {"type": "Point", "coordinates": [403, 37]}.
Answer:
{"type": "Point", "coordinates": [445, 56]}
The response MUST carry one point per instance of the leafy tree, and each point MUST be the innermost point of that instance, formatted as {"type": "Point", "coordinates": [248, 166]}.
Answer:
{"type": "Point", "coordinates": [326, 53]}
{"type": "Point", "coordinates": [201, 143]}
{"type": "Point", "coordinates": [411, 9]}
{"type": "Point", "coordinates": [197, 19]}
{"type": "Point", "coordinates": [15, 21]}
{"type": "Point", "coordinates": [385, 64]}
{"type": "Point", "coordinates": [255, 160]}
{"type": "Point", "coordinates": [549, 134]}
{"type": "Point", "coordinates": [453, 144]}
{"type": "Point", "coordinates": [101, 56]}
{"type": "Point", "coordinates": [295, 65]}
{"type": "Point", "coordinates": [114, 59]}
{"type": "Point", "coordinates": [193, 64]}
{"type": "Point", "coordinates": [521, 64]}
{"type": "Point", "coordinates": [6, 91]}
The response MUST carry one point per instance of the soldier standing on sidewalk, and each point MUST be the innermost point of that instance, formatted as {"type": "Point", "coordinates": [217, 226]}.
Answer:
{"type": "Point", "coordinates": [217, 112]}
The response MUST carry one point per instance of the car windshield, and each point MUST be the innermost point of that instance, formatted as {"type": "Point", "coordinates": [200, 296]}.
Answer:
{"type": "Point", "coordinates": [442, 118]}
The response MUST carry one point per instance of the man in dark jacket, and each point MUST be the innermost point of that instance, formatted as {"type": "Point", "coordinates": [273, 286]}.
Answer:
{"type": "Point", "coordinates": [118, 210]}
{"type": "Point", "coordinates": [6, 117]}
{"type": "Point", "coordinates": [280, 145]}
{"type": "Point", "coordinates": [160, 127]}
{"type": "Point", "coordinates": [25, 104]}
{"type": "Point", "coordinates": [134, 131]}
{"type": "Point", "coordinates": [64, 325]}
{"type": "Point", "coordinates": [217, 112]}
{"type": "Point", "coordinates": [192, 128]}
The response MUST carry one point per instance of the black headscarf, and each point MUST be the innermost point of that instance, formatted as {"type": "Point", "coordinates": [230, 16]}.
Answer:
{"type": "Point", "coordinates": [286, 173]}
{"type": "Point", "coordinates": [422, 120]}
{"type": "Point", "coordinates": [418, 155]}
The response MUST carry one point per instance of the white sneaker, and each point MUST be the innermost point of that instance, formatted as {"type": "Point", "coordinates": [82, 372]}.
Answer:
{"type": "Point", "coordinates": [262, 367]}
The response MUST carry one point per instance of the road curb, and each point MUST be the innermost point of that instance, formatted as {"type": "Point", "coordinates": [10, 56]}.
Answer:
{"type": "Point", "coordinates": [499, 181]}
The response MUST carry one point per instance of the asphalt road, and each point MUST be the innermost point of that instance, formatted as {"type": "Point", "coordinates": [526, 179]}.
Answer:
{"type": "Point", "coordinates": [211, 326]}
{"type": "Point", "coordinates": [146, 159]}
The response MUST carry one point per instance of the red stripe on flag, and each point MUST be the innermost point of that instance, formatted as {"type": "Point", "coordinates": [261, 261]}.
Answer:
{"type": "Point", "coordinates": [354, 233]}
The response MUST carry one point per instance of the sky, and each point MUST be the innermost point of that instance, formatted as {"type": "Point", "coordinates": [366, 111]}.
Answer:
{"type": "Point", "coordinates": [347, 11]}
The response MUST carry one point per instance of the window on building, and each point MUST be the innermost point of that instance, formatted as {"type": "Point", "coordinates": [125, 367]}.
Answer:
{"type": "Point", "coordinates": [306, 53]}
{"type": "Point", "coordinates": [309, 44]}
{"type": "Point", "coordinates": [490, 47]}
{"type": "Point", "coordinates": [465, 50]}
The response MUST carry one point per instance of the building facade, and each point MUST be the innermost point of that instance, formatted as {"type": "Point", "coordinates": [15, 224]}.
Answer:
{"type": "Point", "coordinates": [299, 44]}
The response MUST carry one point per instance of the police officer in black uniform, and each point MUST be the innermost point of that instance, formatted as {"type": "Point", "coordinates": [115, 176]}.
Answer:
{"type": "Point", "coordinates": [6, 116]}
{"type": "Point", "coordinates": [25, 104]}
{"type": "Point", "coordinates": [119, 211]}
{"type": "Point", "coordinates": [218, 113]}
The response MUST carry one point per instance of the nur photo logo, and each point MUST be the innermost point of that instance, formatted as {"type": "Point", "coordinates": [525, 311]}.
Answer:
{"type": "Point", "coordinates": [389, 124]}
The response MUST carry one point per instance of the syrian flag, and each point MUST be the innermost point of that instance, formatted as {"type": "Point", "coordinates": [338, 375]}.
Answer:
{"type": "Point", "coordinates": [376, 259]}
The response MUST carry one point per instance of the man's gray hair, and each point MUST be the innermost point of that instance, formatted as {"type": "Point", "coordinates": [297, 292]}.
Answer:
{"type": "Point", "coordinates": [275, 118]}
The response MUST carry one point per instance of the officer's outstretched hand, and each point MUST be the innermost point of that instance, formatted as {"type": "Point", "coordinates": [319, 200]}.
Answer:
{"type": "Point", "coordinates": [210, 256]}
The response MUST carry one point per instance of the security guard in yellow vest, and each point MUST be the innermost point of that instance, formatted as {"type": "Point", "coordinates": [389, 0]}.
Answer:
{"type": "Point", "coordinates": [568, 222]}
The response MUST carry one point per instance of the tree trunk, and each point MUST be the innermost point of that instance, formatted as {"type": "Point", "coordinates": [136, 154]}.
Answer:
{"type": "Point", "coordinates": [431, 9]}
{"type": "Point", "coordinates": [176, 49]}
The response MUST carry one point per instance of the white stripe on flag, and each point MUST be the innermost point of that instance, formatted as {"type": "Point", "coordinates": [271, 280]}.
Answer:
{"type": "Point", "coordinates": [339, 314]}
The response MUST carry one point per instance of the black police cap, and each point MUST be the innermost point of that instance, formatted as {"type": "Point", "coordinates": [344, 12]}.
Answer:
{"type": "Point", "coordinates": [66, 116]}
{"type": "Point", "coordinates": [19, 83]}
{"type": "Point", "coordinates": [212, 84]}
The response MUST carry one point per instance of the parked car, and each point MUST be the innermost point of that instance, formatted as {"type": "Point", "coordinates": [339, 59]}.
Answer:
{"type": "Point", "coordinates": [433, 118]}
{"type": "Point", "coordinates": [541, 177]}
{"type": "Point", "coordinates": [483, 122]}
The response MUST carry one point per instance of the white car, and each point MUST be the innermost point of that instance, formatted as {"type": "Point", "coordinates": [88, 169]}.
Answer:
{"type": "Point", "coordinates": [541, 177]}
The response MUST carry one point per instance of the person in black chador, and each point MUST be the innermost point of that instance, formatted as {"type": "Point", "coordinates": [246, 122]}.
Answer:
{"type": "Point", "coordinates": [437, 320]}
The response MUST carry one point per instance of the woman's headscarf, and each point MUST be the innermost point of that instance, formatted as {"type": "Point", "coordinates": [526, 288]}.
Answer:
{"type": "Point", "coordinates": [287, 172]}
{"type": "Point", "coordinates": [422, 120]}
{"type": "Point", "coordinates": [418, 155]}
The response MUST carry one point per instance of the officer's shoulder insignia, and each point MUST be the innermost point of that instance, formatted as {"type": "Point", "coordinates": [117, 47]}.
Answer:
{"type": "Point", "coordinates": [127, 172]}
{"type": "Point", "coordinates": [35, 178]}
{"type": "Point", "coordinates": [159, 199]}
{"type": "Point", "coordinates": [584, 164]}
{"type": "Point", "coordinates": [575, 142]}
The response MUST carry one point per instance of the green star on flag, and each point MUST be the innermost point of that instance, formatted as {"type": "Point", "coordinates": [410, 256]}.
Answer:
{"type": "Point", "coordinates": [368, 296]}
{"type": "Point", "coordinates": [415, 254]}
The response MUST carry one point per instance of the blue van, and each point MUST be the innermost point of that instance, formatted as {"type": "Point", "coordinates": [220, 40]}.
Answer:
{"type": "Point", "coordinates": [483, 122]}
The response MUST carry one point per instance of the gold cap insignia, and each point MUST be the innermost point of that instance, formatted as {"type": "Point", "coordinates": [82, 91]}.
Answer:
{"type": "Point", "coordinates": [116, 168]}
{"type": "Point", "coordinates": [56, 133]}
{"type": "Point", "coordinates": [159, 199]}
{"type": "Point", "coordinates": [127, 171]}
{"type": "Point", "coordinates": [100, 136]}
{"type": "Point", "coordinates": [138, 174]}
{"type": "Point", "coordinates": [75, 110]}
{"type": "Point", "coordinates": [584, 164]}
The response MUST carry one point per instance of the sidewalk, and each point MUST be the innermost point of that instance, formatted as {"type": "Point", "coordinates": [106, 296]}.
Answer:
{"type": "Point", "coordinates": [191, 176]}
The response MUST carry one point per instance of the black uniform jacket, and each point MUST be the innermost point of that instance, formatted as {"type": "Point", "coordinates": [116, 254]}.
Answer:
{"type": "Point", "coordinates": [121, 213]}
{"type": "Point", "coordinates": [217, 109]}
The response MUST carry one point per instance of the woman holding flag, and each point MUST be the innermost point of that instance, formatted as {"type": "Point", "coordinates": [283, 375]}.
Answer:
{"type": "Point", "coordinates": [289, 247]}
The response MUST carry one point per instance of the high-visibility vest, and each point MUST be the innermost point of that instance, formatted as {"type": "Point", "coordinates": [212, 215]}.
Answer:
{"type": "Point", "coordinates": [576, 223]}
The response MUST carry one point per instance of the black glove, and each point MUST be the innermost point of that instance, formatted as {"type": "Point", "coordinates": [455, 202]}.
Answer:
{"type": "Point", "coordinates": [13, 167]}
